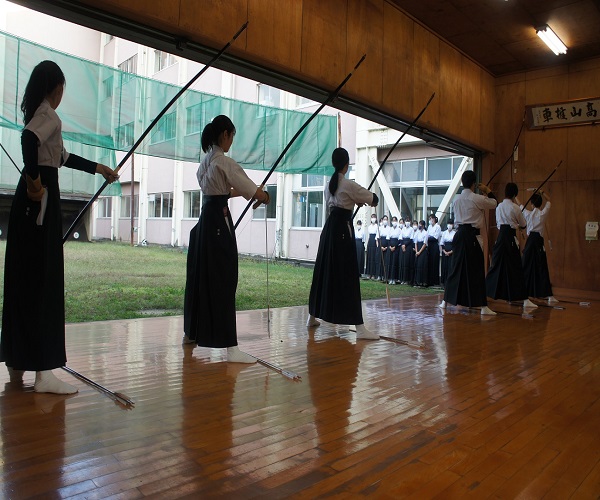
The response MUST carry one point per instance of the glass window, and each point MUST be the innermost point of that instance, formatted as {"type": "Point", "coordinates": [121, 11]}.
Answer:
{"type": "Point", "coordinates": [165, 128]}
{"type": "Point", "coordinates": [412, 203]}
{"type": "Point", "coordinates": [310, 180]}
{"type": "Point", "coordinates": [268, 96]}
{"type": "Point", "coordinates": [107, 87]}
{"type": "Point", "coordinates": [439, 169]}
{"type": "Point", "coordinates": [192, 201]}
{"type": "Point", "coordinates": [105, 206]}
{"type": "Point", "coordinates": [391, 170]}
{"type": "Point", "coordinates": [129, 67]}
{"type": "Point", "coordinates": [308, 209]}
{"type": "Point", "coordinates": [303, 101]}
{"type": "Point", "coordinates": [435, 195]}
{"type": "Point", "coordinates": [160, 205]}
{"type": "Point", "coordinates": [456, 161]}
{"type": "Point", "coordinates": [163, 60]}
{"type": "Point", "coordinates": [413, 170]}
{"type": "Point", "coordinates": [125, 136]}
{"type": "Point", "coordinates": [126, 206]}
{"type": "Point", "coordinates": [193, 120]}
{"type": "Point", "coordinates": [271, 208]}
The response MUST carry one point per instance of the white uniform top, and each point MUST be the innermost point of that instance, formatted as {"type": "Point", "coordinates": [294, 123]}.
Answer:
{"type": "Point", "coordinates": [468, 208]}
{"type": "Point", "coordinates": [407, 232]}
{"type": "Point", "coordinates": [217, 174]}
{"type": "Point", "coordinates": [373, 230]}
{"type": "Point", "coordinates": [509, 213]}
{"type": "Point", "coordinates": [420, 236]}
{"type": "Point", "coordinates": [347, 194]}
{"type": "Point", "coordinates": [384, 232]}
{"type": "Point", "coordinates": [536, 218]}
{"type": "Point", "coordinates": [395, 232]}
{"type": "Point", "coordinates": [359, 233]}
{"type": "Point", "coordinates": [46, 125]}
{"type": "Point", "coordinates": [447, 236]}
{"type": "Point", "coordinates": [435, 231]}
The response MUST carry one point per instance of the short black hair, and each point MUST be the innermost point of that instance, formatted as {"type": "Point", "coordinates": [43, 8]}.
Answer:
{"type": "Point", "coordinates": [511, 190]}
{"type": "Point", "coordinates": [468, 178]}
{"type": "Point", "coordinates": [536, 200]}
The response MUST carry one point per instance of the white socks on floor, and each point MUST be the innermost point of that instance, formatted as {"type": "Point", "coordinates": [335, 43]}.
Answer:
{"type": "Point", "coordinates": [363, 333]}
{"type": "Point", "coordinates": [186, 340]}
{"type": "Point", "coordinates": [486, 311]}
{"type": "Point", "coordinates": [552, 300]}
{"type": "Point", "coordinates": [528, 303]}
{"type": "Point", "coordinates": [234, 355]}
{"type": "Point", "coordinates": [46, 381]}
{"type": "Point", "coordinates": [312, 321]}
{"type": "Point", "coordinates": [442, 305]}
{"type": "Point", "coordinates": [15, 375]}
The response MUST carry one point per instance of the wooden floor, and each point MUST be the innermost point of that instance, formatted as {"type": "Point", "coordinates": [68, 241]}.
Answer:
{"type": "Point", "coordinates": [500, 407]}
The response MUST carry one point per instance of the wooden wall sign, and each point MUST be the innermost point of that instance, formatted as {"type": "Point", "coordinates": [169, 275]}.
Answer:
{"type": "Point", "coordinates": [563, 114]}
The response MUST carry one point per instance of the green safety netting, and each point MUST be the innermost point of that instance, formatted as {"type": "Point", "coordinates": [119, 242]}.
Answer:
{"type": "Point", "coordinates": [105, 110]}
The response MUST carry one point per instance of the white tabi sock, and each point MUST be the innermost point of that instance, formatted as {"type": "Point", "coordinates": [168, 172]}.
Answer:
{"type": "Point", "coordinates": [187, 340]}
{"type": "Point", "coordinates": [552, 300]}
{"type": "Point", "coordinates": [312, 321]}
{"type": "Point", "coordinates": [485, 310]}
{"type": "Point", "coordinates": [46, 381]}
{"type": "Point", "coordinates": [527, 303]}
{"type": "Point", "coordinates": [364, 334]}
{"type": "Point", "coordinates": [442, 305]}
{"type": "Point", "coordinates": [234, 355]}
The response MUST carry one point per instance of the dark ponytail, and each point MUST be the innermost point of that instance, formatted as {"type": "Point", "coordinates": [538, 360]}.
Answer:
{"type": "Point", "coordinates": [339, 159]}
{"type": "Point", "coordinates": [212, 131]}
{"type": "Point", "coordinates": [45, 77]}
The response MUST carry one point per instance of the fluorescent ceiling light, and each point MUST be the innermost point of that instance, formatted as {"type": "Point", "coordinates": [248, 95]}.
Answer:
{"type": "Point", "coordinates": [551, 40]}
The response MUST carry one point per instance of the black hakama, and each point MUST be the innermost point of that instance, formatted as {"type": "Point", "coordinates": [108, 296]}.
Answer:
{"type": "Point", "coordinates": [335, 290]}
{"type": "Point", "coordinates": [465, 284]}
{"type": "Point", "coordinates": [421, 265]}
{"type": "Point", "coordinates": [360, 255]}
{"type": "Point", "coordinates": [535, 267]}
{"type": "Point", "coordinates": [33, 316]}
{"type": "Point", "coordinates": [433, 261]}
{"type": "Point", "coordinates": [505, 279]}
{"type": "Point", "coordinates": [393, 262]}
{"type": "Point", "coordinates": [212, 277]}
{"type": "Point", "coordinates": [407, 261]}
{"type": "Point", "coordinates": [373, 256]}
{"type": "Point", "coordinates": [446, 262]}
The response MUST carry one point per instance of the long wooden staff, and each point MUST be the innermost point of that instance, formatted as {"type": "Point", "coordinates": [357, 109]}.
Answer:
{"type": "Point", "coordinates": [541, 185]}
{"type": "Point", "coordinates": [327, 101]}
{"type": "Point", "coordinates": [151, 126]}
{"type": "Point", "coordinates": [411, 125]}
{"type": "Point", "coordinates": [119, 397]}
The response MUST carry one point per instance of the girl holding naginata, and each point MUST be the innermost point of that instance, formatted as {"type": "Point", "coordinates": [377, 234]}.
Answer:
{"type": "Point", "coordinates": [212, 264]}
{"type": "Point", "coordinates": [335, 290]}
{"type": "Point", "coordinates": [465, 284]}
{"type": "Point", "coordinates": [421, 239]}
{"type": "Point", "coordinates": [373, 254]}
{"type": "Point", "coordinates": [434, 234]}
{"type": "Point", "coordinates": [33, 317]}
{"type": "Point", "coordinates": [535, 263]}
{"type": "Point", "coordinates": [446, 246]}
{"type": "Point", "coordinates": [407, 257]}
{"type": "Point", "coordinates": [505, 279]}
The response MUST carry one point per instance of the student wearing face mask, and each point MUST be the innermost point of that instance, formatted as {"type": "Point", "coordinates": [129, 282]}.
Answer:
{"type": "Point", "coordinates": [393, 251]}
{"type": "Point", "coordinates": [407, 257]}
{"type": "Point", "coordinates": [335, 290]}
{"type": "Point", "coordinates": [505, 278]}
{"type": "Point", "coordinates": [465, 284]}
{"type": "Point", "coordinates": [384, 232]}
{"type": "Point", "coordinates": [535, 263]}
{"type": "Point", "coordinates": [434, 235]}
{"type": "Point", "coordinates": [421, 262]}
{"type": "Point", "coordinates": [359, 241]}
{"type": "Point", "coordinates": [446, 245]}
{"type": "Point", "coordinates": [372, 248]}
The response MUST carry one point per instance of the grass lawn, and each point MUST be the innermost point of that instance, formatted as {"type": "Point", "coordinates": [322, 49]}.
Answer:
{"type": "Point", "coordinates": [115, 281]}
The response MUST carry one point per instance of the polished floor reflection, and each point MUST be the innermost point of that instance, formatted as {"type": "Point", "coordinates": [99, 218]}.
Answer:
{"type": "Point", "coordinates": [501, 407]}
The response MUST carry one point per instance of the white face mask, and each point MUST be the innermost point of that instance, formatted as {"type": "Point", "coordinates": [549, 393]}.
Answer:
{"type": "Point", "coordinates": [373, 221]}
{"type": "Point", "coordinates": [384, 223]}
{"type": "Point", "coordinates": [395, 224]}
{"type": "Point", "coordinates": [407, 224]}
{"type": "Point", "coordinates": [450, 226]}
{"type": "Point", "coordinates": [415, 227]}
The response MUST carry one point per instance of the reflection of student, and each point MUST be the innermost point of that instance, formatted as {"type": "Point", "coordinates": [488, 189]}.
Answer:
{"type": "Point", "coordinates": [407, 257]}
{"type": "Point", "coordinates": [421, 255]}
{"type": "Point", "coordinates": [335, 290]}
{"type": "Point", "coordinates": [446, 245]}
{"type": "Point", "coordinates": [359, 240]}
{"type": "Point", "coordinates": [372, 248]}
{"type": "Point", "coordinates": [465, 284]}
{"type": "Point", "coordinates": [434, 234]}
{"type": "Point", "coordinates": [505, 279]}
{"type": "Point", "coordinates": [535, 263]}
{"type": "Point", "coordinates": [33, 319]}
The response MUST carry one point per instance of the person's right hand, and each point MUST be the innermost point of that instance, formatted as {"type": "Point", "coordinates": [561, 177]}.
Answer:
{"type": "Point", "coordinates": [35, 190]}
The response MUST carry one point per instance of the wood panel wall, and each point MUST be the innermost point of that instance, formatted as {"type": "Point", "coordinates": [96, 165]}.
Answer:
{"type": "Point", "coordinates": [321, 41]}
{"type": "Point", "coordinates": [574, 189]}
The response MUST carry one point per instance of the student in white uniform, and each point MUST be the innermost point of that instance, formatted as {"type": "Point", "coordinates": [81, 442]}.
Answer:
{"type": "Point", "coordinates": [372, 248]}
{"type": "Point", "coordinates": [359, 240]}
{"type": "Point", "coordinates": [465, 284]}
{"type": "Point", "coordinates": [384, 245]}
{"type": "Point", "coordinates": [434, 234]}
{"type": "Point", "coordinates": [421, 239]}
{"type": "Point", "coordinates": [393, 251]}
{"type": "Point", "coordinates": [33, 316]}
{"type": "Point", "coordinates": [535, 262]}
{"type": "Point", "coordinates": [407, 257]}
{"type": "Point", "coordinates": [335, 290]}
{"type": "Point", "coordinates": [446, 246]}
{"type": "Point", "coordinates": [212, 264]}
{"type": "Point", "coordinates": [505, 279]}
